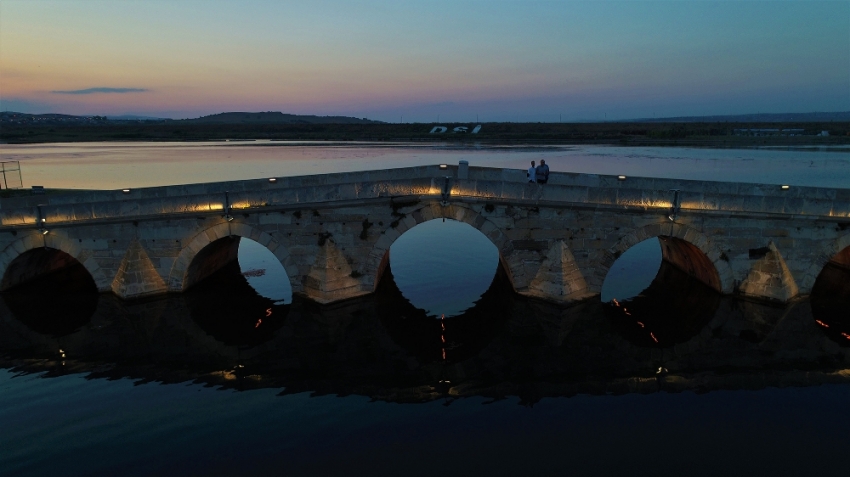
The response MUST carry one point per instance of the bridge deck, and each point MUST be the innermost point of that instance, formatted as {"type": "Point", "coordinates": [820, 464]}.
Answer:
{"type": "Point", "coordinates": [490, 184]}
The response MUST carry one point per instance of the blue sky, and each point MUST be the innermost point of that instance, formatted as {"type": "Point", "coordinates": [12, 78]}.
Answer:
{"type": "Point", "coordinates": [495, 60]}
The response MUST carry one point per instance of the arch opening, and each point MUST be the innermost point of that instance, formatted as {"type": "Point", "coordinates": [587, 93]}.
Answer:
{"type": "Point", "coordinates": [661, 292]}
{"type": "Point", "coordinates": [442, 266]}
{"type": "Point", "coordinates": [240, 293]}
{"type": "Point", "coordinates": [50, 291]}
{"type": "Point", "coordinates": [443, 293]}
{"type": "Point", "coordinates": [212, 258]}
{"type": "Point", "coordinates": [830, 298]}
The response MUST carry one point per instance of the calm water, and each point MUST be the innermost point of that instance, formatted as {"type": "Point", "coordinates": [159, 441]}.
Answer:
{"type": "Point", "coordinates": [119, 165]}
{"type": "Point", "coordinates": [239, 378]}
{"type": "Point", "coordinates": [78, 426]}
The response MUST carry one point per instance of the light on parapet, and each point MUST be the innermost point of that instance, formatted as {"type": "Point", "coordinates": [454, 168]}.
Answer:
{"type": "Point", "coordinates": [227, 206]}
{"type": "Point", "coordinates": [41, 221]}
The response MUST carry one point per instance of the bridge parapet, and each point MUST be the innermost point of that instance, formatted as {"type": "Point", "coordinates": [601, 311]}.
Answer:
{"type": "Point", "coordinates": [588, 190]}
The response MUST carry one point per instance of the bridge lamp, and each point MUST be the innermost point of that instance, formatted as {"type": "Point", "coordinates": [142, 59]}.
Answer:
{"type": "Point", "coordinates": [784, 187]}
{"type": "Point", "coordinates": [126, 191]}
{"type": "Point", "coordinates": [444, 166]}
{"type": "Point", "coordinates": [621, 178]}
{"type": "Point", "coordinates": [272, 179]}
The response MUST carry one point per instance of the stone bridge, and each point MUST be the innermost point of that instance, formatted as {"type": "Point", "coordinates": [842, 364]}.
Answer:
{"type": "Point", "coordinates": [332, 232]}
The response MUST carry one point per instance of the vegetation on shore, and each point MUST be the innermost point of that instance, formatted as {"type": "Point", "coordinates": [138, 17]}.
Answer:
{"type": "Point", "coordinates": [719, 134]}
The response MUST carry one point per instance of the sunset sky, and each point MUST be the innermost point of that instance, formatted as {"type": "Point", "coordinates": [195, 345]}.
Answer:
{"type": "Point", "coordinates": [424, 60]}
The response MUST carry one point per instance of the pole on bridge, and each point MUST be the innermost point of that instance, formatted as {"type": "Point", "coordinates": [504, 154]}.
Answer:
{"type": "Point", "coordinates": [446, 192]}
{"type": "Point", "coordinates": [227, 215]}
{"type": "Point", "coordinates": [41, 223]}
{"type": "Point", "coordinates": [674, 209]}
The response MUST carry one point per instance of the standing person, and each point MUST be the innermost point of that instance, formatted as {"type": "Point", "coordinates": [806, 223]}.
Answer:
{"type": "Point", "coordinates": [532, 173]}
{"type": "Point", "coordinates": [542, 172]}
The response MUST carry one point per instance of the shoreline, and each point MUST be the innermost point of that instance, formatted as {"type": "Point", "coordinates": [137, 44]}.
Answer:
{"type": "Point", "coordinates": [720, 134]}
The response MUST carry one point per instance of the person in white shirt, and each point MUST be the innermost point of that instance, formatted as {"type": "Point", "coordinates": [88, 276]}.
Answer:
{"type": "Point", "coordinates": [532, 173]}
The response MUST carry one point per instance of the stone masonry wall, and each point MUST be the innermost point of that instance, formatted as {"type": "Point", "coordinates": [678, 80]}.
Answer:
{"type": "Point", "coordinates": [332, 232]}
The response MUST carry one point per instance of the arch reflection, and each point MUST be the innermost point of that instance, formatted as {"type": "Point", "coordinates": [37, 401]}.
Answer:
{"type": "Point", "coordinates": [444, 339]}
{"type": "Point", "coordinates": [830, 298]}
{"type": "Point", "coordinates": [673, 309]}
{"type": "Point", "coordinates": [227, 308]}
{"type": "Point", "coordinates": [57, 301]}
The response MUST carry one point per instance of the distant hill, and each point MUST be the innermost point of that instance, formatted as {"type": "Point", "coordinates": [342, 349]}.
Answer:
{"type": "Point", "coordinates": [134, 117]}
{"type": "Point", "coordinates": [13, 114]}
{"type": "Point", "coordinates": [754, 118]}
{"type": "Point", "coordinates": [275, 117]}
{"type": "Point", "coordinates": [12, 117]}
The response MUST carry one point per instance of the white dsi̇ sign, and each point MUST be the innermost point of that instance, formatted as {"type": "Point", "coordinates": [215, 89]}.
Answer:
{"type": "Point", "coordinates": [459, 129]}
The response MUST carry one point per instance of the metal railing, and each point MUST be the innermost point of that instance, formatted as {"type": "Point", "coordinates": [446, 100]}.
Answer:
{"type": "Point", "coordinates": [10, 175]}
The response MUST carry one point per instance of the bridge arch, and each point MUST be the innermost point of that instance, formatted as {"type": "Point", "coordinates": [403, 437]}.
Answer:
{"type": "Point", "coordinates": [179, 279]}
{"type": "Point", "coordinates": [827, 253]}
{"type": "Point", "coordinates": [697, 248]}
{"type": "Point", "coordinates": [52, 241]}
{"type": "Point", "coordinates": [379, 257]}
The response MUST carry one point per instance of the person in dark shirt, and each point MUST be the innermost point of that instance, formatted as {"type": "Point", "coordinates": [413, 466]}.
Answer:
{"type": "Point", "coordinates": [542, 172]}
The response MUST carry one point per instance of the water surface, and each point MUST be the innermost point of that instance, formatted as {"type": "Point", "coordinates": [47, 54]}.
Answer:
{"type": "Point", "coordinates": [118, 165]}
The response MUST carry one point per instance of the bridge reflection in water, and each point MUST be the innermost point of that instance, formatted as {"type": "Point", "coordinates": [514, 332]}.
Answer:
{"type": "Point", "coordinates": [222, 333]}
{"type": "Point", "coordinates": [56, 304]}
{"type": "Point", "coordinates": [451, 339]}
{"type": "Point", "coordinates": [831, 302]}
{"type": "Point", "coordinates": [227, 308]}
{"type": "Point", "coordinates": [673, 309]}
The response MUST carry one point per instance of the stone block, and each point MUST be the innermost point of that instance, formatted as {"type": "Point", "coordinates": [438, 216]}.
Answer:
{"type": "Point", "coordinates": [565, 194]}
{"type": "Point", "coordinates": [274, 218]}
{"type": "Point", "coordinates": [240, 229]}
{"type": "Point", "coordinates": [774, 205]}
{"type": "Point", "coordinates": [59, 214]}
{"type": "Point", "coordinates": [91, 265]}
{"type": "Point", "coordinates": [630, 197]}
{"type": "Point", "coordinates": [263, 239]}
{"type": "Point", "coordinates": [817, 207]}
{"type": "Point", "coordinates": [794, 205]}
{"type": "Point", "coordinates": [773, 233]}
{"type": "Point", "coordinates": [513, 191]}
